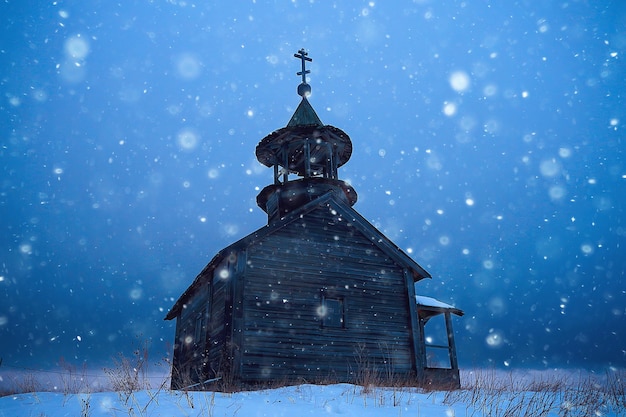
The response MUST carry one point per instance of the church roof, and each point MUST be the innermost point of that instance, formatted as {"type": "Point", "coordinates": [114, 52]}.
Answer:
{"type": "Point", "coordinates": [274, 149]}
{"type": "Point", "coordinates": [305, 115]}
{"type": "Point", "coordinates": [375, 236]}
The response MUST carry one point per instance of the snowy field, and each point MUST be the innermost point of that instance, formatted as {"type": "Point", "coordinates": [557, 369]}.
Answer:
{"type": "Point", "coordinates": [485, 395]}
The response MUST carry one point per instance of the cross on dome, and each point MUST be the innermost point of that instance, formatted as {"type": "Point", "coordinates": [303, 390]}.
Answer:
{"type": "Point", "coordinates": [304, 89]}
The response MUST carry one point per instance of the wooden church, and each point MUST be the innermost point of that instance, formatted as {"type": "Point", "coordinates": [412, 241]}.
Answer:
{"type": "Point", "coordinates": [318, 294]}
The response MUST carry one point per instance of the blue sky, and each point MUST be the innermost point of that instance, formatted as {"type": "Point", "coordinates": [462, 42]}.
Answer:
{"type": "Point", "coordinates": [488, 144]}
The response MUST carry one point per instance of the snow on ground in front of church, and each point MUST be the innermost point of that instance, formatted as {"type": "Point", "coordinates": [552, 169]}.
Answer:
{"type": "Point", "coordinates": [301, 400]}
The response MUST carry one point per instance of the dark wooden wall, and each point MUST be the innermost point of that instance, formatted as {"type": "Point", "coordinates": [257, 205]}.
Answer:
{"type": "Point", "coordinates": [217, 328]}
{"type": "Point", "coordinates": [191, 347]}
{"type": "Point", "coordinates": [287, 274]}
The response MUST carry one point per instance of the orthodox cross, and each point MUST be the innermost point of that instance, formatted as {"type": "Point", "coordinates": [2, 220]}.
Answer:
{"type": "Point", "coordinates": [302, 55]}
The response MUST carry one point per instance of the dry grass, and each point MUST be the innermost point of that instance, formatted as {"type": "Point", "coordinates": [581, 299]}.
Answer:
{"type": "Point", "coordinates": [26, 382]}
{"type": "Point", "coordinates": [488, 393]}
{"type": "Point", "coordinates": [129, 374]}
{"type": "Point", "coordinates": [615, 390]}
{"type": "Point", "coordinates": [73, 379]}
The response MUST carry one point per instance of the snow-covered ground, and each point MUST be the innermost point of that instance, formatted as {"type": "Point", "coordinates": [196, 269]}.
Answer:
{"type": "Point", "coordinates": [301, 400]}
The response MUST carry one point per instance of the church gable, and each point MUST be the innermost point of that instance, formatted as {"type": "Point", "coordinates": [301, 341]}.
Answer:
{"type": "Point", "coordinates": [321, 288]}
{"type": "Point", "coordinates": [335, 240]}
{"type": "Point", "coordinates": [334, 223]}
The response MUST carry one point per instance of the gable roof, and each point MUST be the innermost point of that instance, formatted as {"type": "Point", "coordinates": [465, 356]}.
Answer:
{"type": "Point", "coordinates": [343, 209]}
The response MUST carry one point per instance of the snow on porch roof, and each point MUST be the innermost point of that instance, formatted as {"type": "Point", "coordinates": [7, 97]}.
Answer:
{"type": "Point", "coordinates": [429, 303]}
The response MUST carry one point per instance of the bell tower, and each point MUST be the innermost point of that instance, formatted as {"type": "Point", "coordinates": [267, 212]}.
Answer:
{"type": "Point", "coordinates": [305, 156]}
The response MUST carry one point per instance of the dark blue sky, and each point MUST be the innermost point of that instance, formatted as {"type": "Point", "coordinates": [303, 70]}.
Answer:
{"type": "Point", "coordinates": [488, 143]}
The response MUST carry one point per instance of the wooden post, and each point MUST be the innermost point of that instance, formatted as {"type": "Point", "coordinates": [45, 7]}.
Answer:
{"type": "Point", "coordinates": [307, 158]}
{"type": "Point", "coordinates": [454, 364]}
{"type": "Point", "coordinates": [286, 166]}
{"type": "Point", "coordinates": [417, 331]}
{"type": "Point", "coordinates": [238, 315]}
{"type": "Point", "coordinates": [329, 163]}
{"type": "Point", "coordinates": [422, 345]}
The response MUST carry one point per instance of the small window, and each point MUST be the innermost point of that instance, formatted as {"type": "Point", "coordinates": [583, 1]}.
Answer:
{"type": "Point", "coordinates": [199, 329]}
{"type": "Point", "coordinates": [334, 313]}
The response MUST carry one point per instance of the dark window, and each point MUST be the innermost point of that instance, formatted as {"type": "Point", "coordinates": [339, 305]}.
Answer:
{"type": "Point", "coordinates": [200, 330]}
{"type": "Point", "coordinates": [333, 313]}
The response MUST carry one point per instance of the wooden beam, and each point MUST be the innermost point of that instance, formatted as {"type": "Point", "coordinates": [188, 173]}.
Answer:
{"type": "Point", "coordinates": [417, 333]}
{"type": "Point", "coordinates": [454, 364]}
{"type": "Point", "coordinates": [422, 349]}
{"type": "Point", "coordinates": [238, 314]}
{"type": "Point", "coordinates": [307, 158]}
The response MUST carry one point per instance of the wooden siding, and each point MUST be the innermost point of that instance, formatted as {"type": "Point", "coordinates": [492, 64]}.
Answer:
{"type": "Point", "coordinates": [286, 275]}
{"type": "Point", "coordinates": [217, 333]}
{"type": "Point", "coordinates": [191, 342]}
